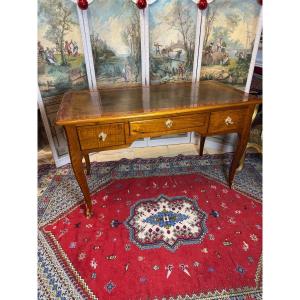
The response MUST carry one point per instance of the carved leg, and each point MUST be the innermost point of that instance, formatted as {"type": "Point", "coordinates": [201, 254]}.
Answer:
{"type": "Point", "coordinates": [76, 160]}
{"type": "Point", "coordinates": [202, 141]}
{"type": "Point", "coordinates": [87, 164]}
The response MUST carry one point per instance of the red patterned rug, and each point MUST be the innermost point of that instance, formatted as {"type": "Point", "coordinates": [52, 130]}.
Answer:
{"type": "Point", "coordinates": [161, 237]}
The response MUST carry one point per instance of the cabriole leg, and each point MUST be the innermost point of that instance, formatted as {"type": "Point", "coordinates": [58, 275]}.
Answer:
{"type": "Point", "coordinates": [77, 165]}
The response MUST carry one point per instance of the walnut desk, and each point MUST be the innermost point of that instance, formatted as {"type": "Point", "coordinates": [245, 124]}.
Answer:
{"type": "Point", "coordinates": [115, 118]}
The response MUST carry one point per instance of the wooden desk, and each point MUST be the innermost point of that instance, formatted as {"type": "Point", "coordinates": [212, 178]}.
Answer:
{"type": "Point", "coordinates": [121, 116]}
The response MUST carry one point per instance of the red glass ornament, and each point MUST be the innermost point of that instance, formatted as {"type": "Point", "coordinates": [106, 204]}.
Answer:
{"type": "Point", "coordinates": [202, 4]}
{"type": "Point", "coordinates": [260, 1]}
{"type": "Point", "coordinates": [141, 4]}
{"type": "Point", "coordinates": [83, 4]}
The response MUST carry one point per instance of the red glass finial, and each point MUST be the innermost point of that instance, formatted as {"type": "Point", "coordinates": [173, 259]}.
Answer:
{"type": "Point", "coordinates": [141, 4]}
{"type": "Point", "coordinates": [83, 4]}
{"type": "Point", "coordinates": [202, 4]}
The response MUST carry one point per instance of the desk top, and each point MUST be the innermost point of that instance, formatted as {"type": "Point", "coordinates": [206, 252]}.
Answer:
{"type": "Point", "coordinates": [85, 105]}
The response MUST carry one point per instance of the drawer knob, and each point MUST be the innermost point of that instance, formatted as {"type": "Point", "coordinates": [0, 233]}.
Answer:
{"type": "Point", "coordinates": [102, 136]}
{"type": "Point", "coordinates": [228, 121]}
{"type": "Point", "coordinates": [169, 123]}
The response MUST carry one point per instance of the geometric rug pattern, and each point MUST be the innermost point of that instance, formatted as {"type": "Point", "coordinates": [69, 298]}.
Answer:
{"type": "Point", "coordinates": [165, 228]}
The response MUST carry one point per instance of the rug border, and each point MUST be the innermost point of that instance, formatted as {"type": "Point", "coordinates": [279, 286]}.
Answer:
{"type": "Point", "coordinates": [220, 294]}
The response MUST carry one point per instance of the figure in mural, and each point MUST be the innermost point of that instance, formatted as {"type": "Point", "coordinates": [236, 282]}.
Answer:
{"type": "Point", "coordinates": [228, 41]}
{"type": "Point", "coordinates": [71, 46]}
{"type": "Point", "coordinates": [41, 50]}
{"type": "Point", "coordinates": [59, 18]}
{"type": "Point", "coordinates": [58, 72]}
{"type": "Point", "coordinates": [181, 71]}
{"type": "Point", "coordinates": [115, 40]}
{"type": "Point", "coordinates": [67, 48]}
{"type": "Point", "coordinates": [223, 46]}
{"type": "Point", "coordinates": [58, 53]}
{"type": "Point", "coordinates": [178, 54]}
{"type": "Point", "coordinates": [126, 72]}
{"type": "Point", "coordinates": [49, 56]}
{"type": "Point", "coordinates": [157, 50]}
{"type": "Point", "coordinates": [75, 49]}
{"type": "Point", "coordinates": [172, 20]}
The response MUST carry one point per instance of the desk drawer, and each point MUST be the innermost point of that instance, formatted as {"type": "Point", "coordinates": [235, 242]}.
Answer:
{"type": "Point", "coordinates": [163, 125]}
{"type": "Point", "coordinates": [98, 136]}
{"type": "Point", "coordinates": [227, 120]}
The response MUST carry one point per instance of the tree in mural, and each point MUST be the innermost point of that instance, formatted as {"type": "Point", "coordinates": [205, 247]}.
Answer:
{"type": "Point", "coordinates": [228, 40]}
{"type": "Point", "coordinates": [101, 51]}
{"type": "Point", "coordinates": [131, 37]}
{"type": "Point", "coordinates": [181, 20]}
{"type": "Point", "coordinates": [59, 19]}
{"type": "Point", "coordinates": [239, 11]}
{"type": "Point", "coordinates": [212, 11]}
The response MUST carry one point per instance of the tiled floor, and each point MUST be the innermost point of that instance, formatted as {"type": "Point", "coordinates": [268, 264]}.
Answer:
{"type": "Point", "coordinates": [45, 156]}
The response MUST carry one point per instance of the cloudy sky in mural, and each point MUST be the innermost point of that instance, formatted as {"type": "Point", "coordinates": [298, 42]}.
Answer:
{"type": "Point", "coordinates": [248, 13]}
{"type": "Point", "coordinates": [109, 17]}
{"type": "Point", "coordinates": [161, 32]}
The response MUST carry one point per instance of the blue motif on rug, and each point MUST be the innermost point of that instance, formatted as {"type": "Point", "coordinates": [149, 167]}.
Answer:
{"type": "Point", "coordinates": [166, 219]}
{"type": "Point", "coordinates": [166, 222]}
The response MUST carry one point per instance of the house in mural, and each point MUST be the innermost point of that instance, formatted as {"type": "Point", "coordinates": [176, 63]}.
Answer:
{"type": "Point", "coordinates": [228, 42]}
{"type": "Point", "coordinates": [60, 52]}
{"type": "Point", "coordinates": [172, 40]}
{"type": "Point", "coordinates": [115, 41]}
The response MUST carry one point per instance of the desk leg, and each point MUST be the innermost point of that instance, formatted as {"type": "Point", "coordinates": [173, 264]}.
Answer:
{"type": "Point", "coordinates": [240, 149]}
{"type": "Point", "coordinates": [77, 165]}
{"type": "Point", "coordinates": [202, 141]}
{"type": "Point", "coordinates": [87, 164]}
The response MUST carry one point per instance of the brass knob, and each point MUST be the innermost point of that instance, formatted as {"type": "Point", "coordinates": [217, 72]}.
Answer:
{"type": "Point", "coordinates": [228, 121]}
{"type": "Point", "coordinates": [102, 136]}
{"type": "Point", "coordinates": [169, 123]}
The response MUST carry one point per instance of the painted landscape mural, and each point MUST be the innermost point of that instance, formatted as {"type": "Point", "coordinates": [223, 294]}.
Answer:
{"type": "Point", "coordinates": [60, 52]}
{"type": "Point", "coordinates": [172, 40]}
{"type": "Point", "coordinates": [61, 63]}
{"type": "Point", "coordinates": [115, 39]}
{"type": "Point", "coordinates": [228, 43]}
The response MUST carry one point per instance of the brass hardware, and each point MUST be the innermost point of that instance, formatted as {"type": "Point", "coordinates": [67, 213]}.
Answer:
{"type": "Point", "coordinates": [102, 136]}
{"type": "Point", "coordinates": [169, 123]}
{"type": "Point", "coordinates": [228, 121]}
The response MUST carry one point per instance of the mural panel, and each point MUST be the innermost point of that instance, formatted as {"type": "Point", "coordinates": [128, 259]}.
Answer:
{"type": "Point", "coordinates": [116, 42]}
{"type": "Point", "coordinates": [228, 42]}
{"type": "Point", "coordinates": [61, 63]}
{"type": "Point", "coordinates": [60, 52]}
{"type": "Point", "coordinates": [172, 25]}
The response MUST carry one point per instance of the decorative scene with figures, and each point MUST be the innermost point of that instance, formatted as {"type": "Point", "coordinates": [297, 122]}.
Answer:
{"type": "Point", "coordinates": [228, 41]}
{"type": "Point", "coordinates": [60, 51]}
{"type": "Point", "coordinates": [172, 40]}
{"type": "Point", "coordinates": [115, 40]}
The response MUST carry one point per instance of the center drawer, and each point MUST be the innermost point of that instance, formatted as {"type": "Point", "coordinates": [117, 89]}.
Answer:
{"type": "Point", "coordinates": [98, 136]}
{"type": "Point", "coordinates": [162, 125]}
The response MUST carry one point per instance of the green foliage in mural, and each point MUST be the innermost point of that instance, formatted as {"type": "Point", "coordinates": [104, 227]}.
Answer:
{"type": "Point", "coordinates": [228, 42]}
{"type": "Point", "coordinates": [59, 19]}
{"type": "Point", "coordinates": [115, 39]}
{"type": "Point", "coordinates": [172, 40]}
{"type": "Point", "coordinates": [60, 63]}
